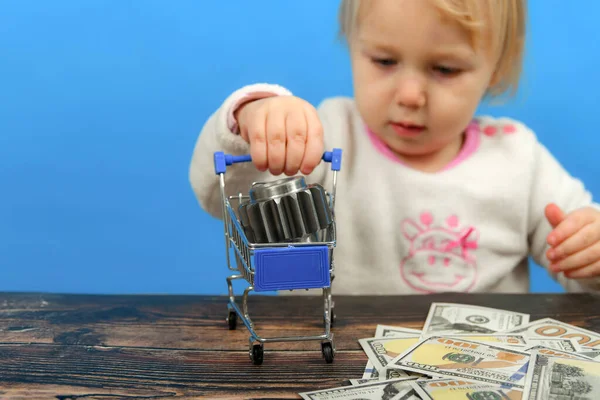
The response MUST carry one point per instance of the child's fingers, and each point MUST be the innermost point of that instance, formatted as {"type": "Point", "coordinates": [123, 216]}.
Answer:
{"type": "Point", "coordinates": [582, 239]}
{"type": "Point", "coordinates": [587, 256]}
{"type": "Point", "coordinates": [589, 271]}
{"type": "Point", "coordinates": [244, 133]}
{"type": "Point", "coordinates": [569, 225]}
{"type": "Point", "coordinates": [296, 131]}
{"type": "Point", "coordinates": [276, 138]}
{"type": "Point", "coordinates": [554, 214]}
{"type": "Point", "coordinates": [258, 140]}
{"type": "Point", "coordinates": [314, 142]}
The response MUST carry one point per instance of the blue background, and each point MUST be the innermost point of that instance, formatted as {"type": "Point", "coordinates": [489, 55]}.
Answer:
{"type": "Point", "coordinates": [101, 103]}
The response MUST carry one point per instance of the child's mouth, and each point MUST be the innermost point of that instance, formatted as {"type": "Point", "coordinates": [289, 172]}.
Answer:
{"type": "Point", "coordinates": [407, 129]}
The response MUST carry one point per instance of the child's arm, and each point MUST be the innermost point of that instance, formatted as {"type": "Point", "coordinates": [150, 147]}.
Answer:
{"type": "Point", "coordinates": [221, 133]}
{"type": "Point", "coordinates": [556, 197]}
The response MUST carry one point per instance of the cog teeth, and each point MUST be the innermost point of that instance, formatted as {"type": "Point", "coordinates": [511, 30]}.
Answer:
{"type": "Point", "coordinates": [289, 218]}
{"type": "Point", "coordinates": [272, 221]}
{"type": "Point", "coordinates": [256, 223]}
{"type": "Point", "coordinates": [245, 222]}
{"type": "Point", "coordinates": [308, 211]}
{"type": "Point", "coordinates": [293, 221]}
{"type": "Point", "coordinates": [322, 208]}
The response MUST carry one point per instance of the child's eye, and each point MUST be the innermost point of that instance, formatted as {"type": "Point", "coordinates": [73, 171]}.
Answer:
{"type": "Point", "coordinates": [446, 71]}
{"type": "Point", "coordinates": [386, 62]}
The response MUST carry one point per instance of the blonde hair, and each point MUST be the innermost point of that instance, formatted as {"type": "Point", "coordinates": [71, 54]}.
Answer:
{"type": "Point", "coordinates": [497, 23]}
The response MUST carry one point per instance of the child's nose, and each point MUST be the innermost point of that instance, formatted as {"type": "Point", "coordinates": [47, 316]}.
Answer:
{"type": "Point", "coordinates": [410, 92]}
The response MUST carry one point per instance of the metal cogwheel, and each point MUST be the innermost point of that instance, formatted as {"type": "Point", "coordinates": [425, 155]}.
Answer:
{"type": "Point", "coordinates": [285, 210]}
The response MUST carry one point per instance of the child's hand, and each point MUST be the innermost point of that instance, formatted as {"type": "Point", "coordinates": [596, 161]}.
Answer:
{"type": "Point", "coordinates": [284, 132]}
{"type": "Point", "coordinates": [575, 242]}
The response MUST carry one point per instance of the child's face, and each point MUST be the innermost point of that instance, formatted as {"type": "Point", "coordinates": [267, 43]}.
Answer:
{"type": "Point", "coordinates": [411, 67]}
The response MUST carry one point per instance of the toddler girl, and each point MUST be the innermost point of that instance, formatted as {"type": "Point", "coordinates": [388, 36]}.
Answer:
{"type": "Point", "coordinates": [430, 198]}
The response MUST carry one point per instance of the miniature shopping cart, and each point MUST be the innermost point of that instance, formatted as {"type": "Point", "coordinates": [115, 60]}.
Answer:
{"type": "Point", "coordinates": [286, 264]}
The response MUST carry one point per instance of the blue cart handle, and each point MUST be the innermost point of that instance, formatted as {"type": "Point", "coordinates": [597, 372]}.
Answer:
{"type": "Point", "coordinates": [223, 160]}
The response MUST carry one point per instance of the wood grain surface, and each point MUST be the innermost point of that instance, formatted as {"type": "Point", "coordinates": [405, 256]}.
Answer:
{"type": "Point", "coordinates": [55, 346]}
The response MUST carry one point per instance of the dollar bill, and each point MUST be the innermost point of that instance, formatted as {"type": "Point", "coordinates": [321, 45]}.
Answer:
{"type": "Point", "coordinates": [494, 338]}
{"type": "Point", "coordinates": [412, 395]}
{"type": "Point", "coordinates": [549, 327]}
{"type": "Point", "coordinates": [370, 371]}
{"type": "Point", "coordinates": [551, 352]}
{"type": "Point", "coordinates": [557, 378]}
{"type": "Point", "coordinates": [455, 389]}
{"type": "Point", "coordinates": [380, 390]}
{"type": "Point", "coordinates": [558, 344]}
{"type": "Point", "coordinates": [518, 340]}
{"type": "Point", "coordinates": [383, 350]}
{"type": "Point", "coordinates": [451, 318]}
{"type": "Point", "coordinates": [355, 382]}
{"type": "Point", "coordinates": [395, 331]}
{"type": "Point", "coordinates": [383, 331]}
{"type": "Point", "coordinates": [444, 357]}
{"type": "Point", "coordinates": [594, 355]}
{"type": "Point", "coordinates": [387, 378]}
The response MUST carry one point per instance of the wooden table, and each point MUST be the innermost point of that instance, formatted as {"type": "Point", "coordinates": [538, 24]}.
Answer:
{"type": "Point", "coordinates": [157, 347]}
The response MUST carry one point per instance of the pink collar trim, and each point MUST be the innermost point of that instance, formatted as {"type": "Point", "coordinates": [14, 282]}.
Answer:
{"type": "Point", "coordinates": [469, 147]}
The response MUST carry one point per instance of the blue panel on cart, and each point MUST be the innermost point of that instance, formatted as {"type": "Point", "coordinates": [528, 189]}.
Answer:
{"type": "Point", "coordinates": [289, 268]}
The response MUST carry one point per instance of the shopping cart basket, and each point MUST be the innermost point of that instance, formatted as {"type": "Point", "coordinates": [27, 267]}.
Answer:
{"type": "Point", "coordinates": [278, 266]}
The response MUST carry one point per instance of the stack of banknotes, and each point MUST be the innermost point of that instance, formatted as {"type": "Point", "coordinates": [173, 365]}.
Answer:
{"type": "Point", "coordinates": [476, 353]}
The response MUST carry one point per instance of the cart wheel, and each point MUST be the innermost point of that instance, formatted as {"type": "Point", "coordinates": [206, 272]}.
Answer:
{"type": "Point", "coordinates": [232, 320]}
{"type": "Point", "coordinates": [257, 354]}
{"type": "Point", "coordinates": [327, 349]}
